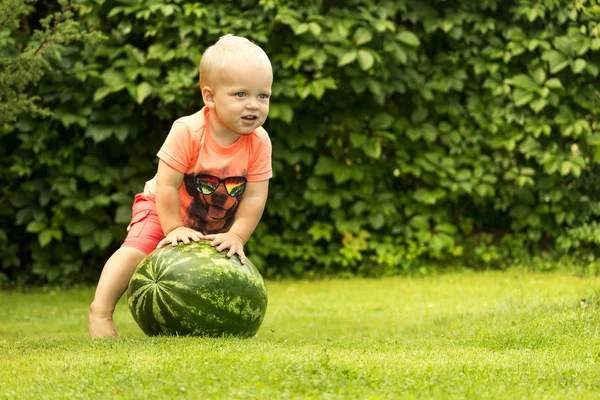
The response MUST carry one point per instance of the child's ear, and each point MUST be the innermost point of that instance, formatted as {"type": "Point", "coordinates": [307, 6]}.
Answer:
{"type": "Point", "coordinates": [208, 96]}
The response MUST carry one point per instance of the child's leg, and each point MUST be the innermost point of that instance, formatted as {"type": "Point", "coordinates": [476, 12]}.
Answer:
{"type": "Point", "coordinates": [144, 233]}
{"type": "Point", "coordinates": [112, 284]}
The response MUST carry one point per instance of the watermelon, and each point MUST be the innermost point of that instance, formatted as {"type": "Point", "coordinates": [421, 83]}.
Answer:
{"type": "Point", "coordinates": [194, 290]}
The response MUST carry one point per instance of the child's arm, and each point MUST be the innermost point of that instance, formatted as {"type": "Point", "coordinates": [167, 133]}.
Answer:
{"type": "Point", "coordinates": [168, 182]}
{"type": "Point", "coordinates": [247, 217]}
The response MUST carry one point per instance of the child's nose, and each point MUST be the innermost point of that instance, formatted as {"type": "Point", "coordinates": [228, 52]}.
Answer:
{"type": "Point", "coordinates": [252, 103]}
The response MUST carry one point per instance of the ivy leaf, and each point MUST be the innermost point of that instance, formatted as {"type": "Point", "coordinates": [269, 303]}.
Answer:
{"type": "Point", "coordinates": [557, 61]}
{"type": "Point", "coordinates": [300, 29]}
{"type": "Point", "coordinates": [35, 226]}
{"type": "Point", "coordinates": [446, 227]}
{"type": "Point", "coordinates": [463, 175]}
{"type": "Point", "coordinates": [287, 113]}
{"type": "Point", "coordinates": [399, 54]}
{"type": "Point", "coordinates": [523, 81]}
{"type": "Point", "coordinates": [365, 59]}
{"type": "Point", "coordinates": [592, 69]}
{"type": "Point", "coordinates": [45, 237]}
{"type": "Point", "coordinates": [429, 132]}
{"type": "Point", "coordinates": [425, 196]}
{"type": "Point", "coordinates": [594, 139]}
{"type": "Point", "coordinates": [539, 75]}
{"type": "Point", "coordinates": [68, 118]}
{"type": "Point", "coordinates": [419, 115]}
{"type": "Point", "coordinates": [381, 121]}
{"type": "Point", "coordinates": [320, 230]}
{"type": "Point", "coordinates": [123, 214]}
{"type": "Point", "coordinates": [436, 244]}
{"type": "Point", "coordinates": [414, 133]}
{"type": "Point", "coordinates": [335, 201]}
{"type": "Point", "coordinates": [86, 243]}
{"type": "Point", "coordinates": [324, 166]}
{"type": "Point", "coordinates": [375, 87]}
{"type": "Point", "coordinates": [520, 212]}
{"type": "Point", "coordinates": [565, 168]}
{"type": "Point", "coordinates": [564, 116]}
{"type": "Point", "coordinates": [80, 227]}
{"type": "Point", "coordinates": [373, 148]}
{"type": "Point", "coordinates": [447, 240]}
{"type": "Point", "coordinates": [347, 58]}
{"type": "Point", "coordinates": [341, 173]}
{"type": "Point", "coordinates": [317, 89]}
{"type": "Point", "coordinates": [554, 83]}
{"type": "Point", "coordinates": [377, 220]}
{"type": "Point", "coordinates": [98, 132]}
{"type": "Point", "coordinates": [381, 25]}
{"type": "Point", "coordinates": [362, 36]}
{"type": "Point", "coordinates": [420, 222]}
{"type": "Point", "coordinates": [409, 39]}
{"type": "Point", "coordinates": [538, 104]}
{"type": "Point", "coordinates": [101, 93]}
{"type": "Point", "coordinates": [522, 97]}
{"type": "Point", "coordinates": [315, 29]}
{"type": "Point", "coordinates": [578, 66]}
{"type": "Point", "coordinates": [103, 238]}
{"type": "Point", "coordinates": [357, 140]}
{"type": "Point", "coordinates": [565, 44]}
{"type": "Point", "coordinates": [144, 90]}
{"type": "Point", "coordinates": [528, 146]}
{"type": "Point", "coordinates": [121, 132]}
{"type": "Point", "coordinates": [114, 79]}
{"type": "Point", "coordinates": [115, 11]}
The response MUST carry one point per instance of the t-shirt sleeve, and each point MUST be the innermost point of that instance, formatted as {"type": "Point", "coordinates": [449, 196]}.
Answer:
{"type": "Point", "coordinates": [260, 169]}
{"type": "Point", "coordinates": [176, 151]}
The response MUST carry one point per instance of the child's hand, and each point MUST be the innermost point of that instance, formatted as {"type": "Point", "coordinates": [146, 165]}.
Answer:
{"type": "Point", "coordinates": [228, 240]}
{"type": "Point", "coordinates": [181, 234]}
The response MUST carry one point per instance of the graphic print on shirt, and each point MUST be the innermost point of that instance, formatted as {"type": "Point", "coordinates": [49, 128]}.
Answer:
{"type": "Point", "coordinates": [214, 212]}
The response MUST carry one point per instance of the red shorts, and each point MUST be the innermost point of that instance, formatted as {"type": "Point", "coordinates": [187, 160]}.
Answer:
{"type": "Point", "coordinates": [144, 230]}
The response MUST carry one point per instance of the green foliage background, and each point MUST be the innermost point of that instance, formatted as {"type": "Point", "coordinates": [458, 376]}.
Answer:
{"type": "Point", "coordinates": [404, 133]}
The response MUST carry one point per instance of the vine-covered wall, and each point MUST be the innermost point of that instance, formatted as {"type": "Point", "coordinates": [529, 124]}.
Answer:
{"type": "Point", "coordinates": [404, 132]}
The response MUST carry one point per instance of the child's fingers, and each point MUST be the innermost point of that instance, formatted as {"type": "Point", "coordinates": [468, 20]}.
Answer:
{"type": "Point", "coordinates": [197, 237]}
{"type": "Point", "coordinates": [239, 252]}
{"type": "Point", "coordinates": [177, 238]}
{"type": "Point", "coordinates": [220, 243]}
{"type": "Point", "coordinates": [242, 256]}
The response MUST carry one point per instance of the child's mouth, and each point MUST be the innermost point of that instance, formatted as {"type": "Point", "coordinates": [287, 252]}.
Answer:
{"type": "Point", "coordinates": [250, 117]}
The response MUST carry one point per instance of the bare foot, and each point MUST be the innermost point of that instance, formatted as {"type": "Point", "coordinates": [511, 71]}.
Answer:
{"type": "Point", "coordinates": [101, 324]}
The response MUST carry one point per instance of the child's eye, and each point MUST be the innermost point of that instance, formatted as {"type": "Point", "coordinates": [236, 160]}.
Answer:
{"type": "Point", "coordinates": [240, 94]}
{"type": "Point", "coordinates": [263, 96]}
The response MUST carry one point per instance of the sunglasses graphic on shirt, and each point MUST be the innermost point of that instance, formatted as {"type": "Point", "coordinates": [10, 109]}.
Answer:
{"type": "Point", "coordinates": [207, 184]}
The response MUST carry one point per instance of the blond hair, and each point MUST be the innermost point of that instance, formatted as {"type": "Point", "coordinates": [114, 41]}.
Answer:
{"type": "Point", "coordinates": [230, 50]}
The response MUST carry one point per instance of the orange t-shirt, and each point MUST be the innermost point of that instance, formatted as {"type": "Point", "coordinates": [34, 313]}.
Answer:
{"type": "Point", "coordinates": [191, 149]}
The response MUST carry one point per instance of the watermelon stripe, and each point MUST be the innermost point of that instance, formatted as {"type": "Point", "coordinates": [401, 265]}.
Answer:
{"type": "Point", "coordinates": [195, 290]}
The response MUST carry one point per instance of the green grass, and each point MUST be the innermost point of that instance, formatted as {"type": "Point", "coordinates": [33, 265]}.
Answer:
{"type": "Point", "coordinates": [511, 335]}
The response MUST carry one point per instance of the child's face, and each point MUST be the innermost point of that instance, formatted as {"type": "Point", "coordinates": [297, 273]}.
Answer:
{"type": "Point", "coordinates": [241, 97]}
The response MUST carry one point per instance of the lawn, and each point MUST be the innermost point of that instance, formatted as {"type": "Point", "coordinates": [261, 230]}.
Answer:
{"type": "Point", "coordinates": [497, 335]}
